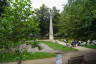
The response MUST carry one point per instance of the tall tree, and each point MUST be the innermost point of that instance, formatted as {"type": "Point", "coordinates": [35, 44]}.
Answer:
{"type": "Point", "coordinates": [42, 15]}
{"type": "Point", "coordinates": [55, 19]}
{"type": "Point", "coordinates": [3, 3]}
{"type": "Point", "coordinates": [77, 19]}
{"type": "Point", "coordinates": [16, 24]}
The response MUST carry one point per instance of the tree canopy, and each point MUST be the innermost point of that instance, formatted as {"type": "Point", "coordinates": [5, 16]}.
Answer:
{"type": "Point", "coordinates": [3, 3]}
{"type": "Point", "coordinates": [78, 19]}
{"type": "Point", "coordinates": [43, 17]}
{"type": "Point", "coordinates": [17, 22]}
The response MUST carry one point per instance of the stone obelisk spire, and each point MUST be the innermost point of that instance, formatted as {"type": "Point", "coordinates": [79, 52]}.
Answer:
{"type": "Point", "coordinates": [51, 37]}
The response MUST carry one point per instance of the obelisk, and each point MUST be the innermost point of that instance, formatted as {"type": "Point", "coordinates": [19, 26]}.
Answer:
{"type": "Point", "coordinates": [51, 37]}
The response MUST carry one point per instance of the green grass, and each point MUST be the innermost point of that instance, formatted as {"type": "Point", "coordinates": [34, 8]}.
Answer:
{"type": "Point", "coordinates": [56, 46]}
{"type": "Point", "coordinates": [91, 46]}
{"type": "Point", "coordinates": [10, 57]}
{"type": "Point", "coordinates": [69, 40]}
{"type": "Point", "coordinates": [62, 40]}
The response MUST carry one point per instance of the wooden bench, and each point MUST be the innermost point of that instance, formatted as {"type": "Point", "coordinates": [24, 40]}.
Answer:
{"type": "Point", "coordinates": [76, 60]}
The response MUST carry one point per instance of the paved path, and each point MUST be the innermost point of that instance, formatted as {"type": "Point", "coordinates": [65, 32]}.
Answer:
{"type": "Point", "coordinates": [59, 42]}
{"type": "Point", "coordinates": [84, 49]}
{"type": "Point", "coordinates": [90, 54]}
{"type": "Point", "coordinates": [45, 48]}
{"type": "Point", "coordinates": [66, 56]}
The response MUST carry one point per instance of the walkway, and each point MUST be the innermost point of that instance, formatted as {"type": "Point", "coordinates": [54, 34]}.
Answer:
{"type": "Point", "coordinates": [90, 54]}
{"type": "Point", "coordinates": [83, 49]}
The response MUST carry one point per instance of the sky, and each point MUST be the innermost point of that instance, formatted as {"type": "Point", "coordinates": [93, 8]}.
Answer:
{"type": "Point", "coordinates": [49, 3]}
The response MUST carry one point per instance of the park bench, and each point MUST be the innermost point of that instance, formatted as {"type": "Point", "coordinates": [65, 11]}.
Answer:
{"type": "Point", "coordinates": [76, 60]}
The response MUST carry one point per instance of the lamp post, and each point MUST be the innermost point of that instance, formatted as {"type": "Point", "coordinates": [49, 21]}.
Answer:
{"type": "Point", "coordinates": [51, 37]}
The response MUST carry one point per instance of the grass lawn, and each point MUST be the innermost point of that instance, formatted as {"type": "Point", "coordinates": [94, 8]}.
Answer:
{"type": "Point", "coordinates": [69, 41]}
{"type": "Point", "coordinates": [10, 57]}
{"type": "Point", "coordinates": [62, 40]}
{"type": "Point", "coordinates": [91, 46]}
{"type": "Point", "coordinates": [56, 46]}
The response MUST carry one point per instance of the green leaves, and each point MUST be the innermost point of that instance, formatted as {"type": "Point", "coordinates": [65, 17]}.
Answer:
{"type": "Point", "coordinates": [42, 17]}
{"type": "Point", "coordinates": [77, 19]}
{"type": "Point", "coordinates": [17, 22]}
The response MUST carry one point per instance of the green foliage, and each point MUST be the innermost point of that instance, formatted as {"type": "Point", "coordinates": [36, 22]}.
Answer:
{"type": "Point", "coordinates": [11, 57]}
{"type": "Point", "coordinates": [68, 40]}
{"type": "Point", "coordinates": [56, 46]}
{"type": "Point", "coordinates": [3, 4]}
{"type": "Point", "coordinates": [78, 19]}
{"type": "Point", "coordinates": [34, 43]}
{"type": "Point", "coordinates": [17, 23]}
{"type": "Point", "coordinates": [91, 46]}
{"type": "Point", "coordinates": [55, 20]}
{"type": "Point", "coordinates": [43, 17]}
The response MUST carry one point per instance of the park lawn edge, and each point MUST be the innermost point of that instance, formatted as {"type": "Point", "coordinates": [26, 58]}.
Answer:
{"type": "Point", "coordinates": [91, 46]}
{"type": "Point", "coordinates": [57, 46]}
{"type": "Point", "coordinates": [12, 57]}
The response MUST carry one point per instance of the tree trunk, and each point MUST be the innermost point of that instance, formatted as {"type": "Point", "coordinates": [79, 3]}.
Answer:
{"type": "Point", "coordinates": [19, 53]}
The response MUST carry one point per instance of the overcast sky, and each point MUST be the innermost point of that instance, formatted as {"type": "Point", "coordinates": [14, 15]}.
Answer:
{"type": "Point", "coordinates": [49, 3]}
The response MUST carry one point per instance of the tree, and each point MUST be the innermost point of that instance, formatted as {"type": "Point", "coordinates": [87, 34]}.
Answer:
{"type": "Point", "coordinates": [42, 16]}
{"type": "Point", "coordinates": [77, 19]}
{"type": "Point", "coordinates": [16, 24]}
{"type": "Point", "coordinates": [3, 3]}
{"type": "Point", "coordinates": [55, 20]}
